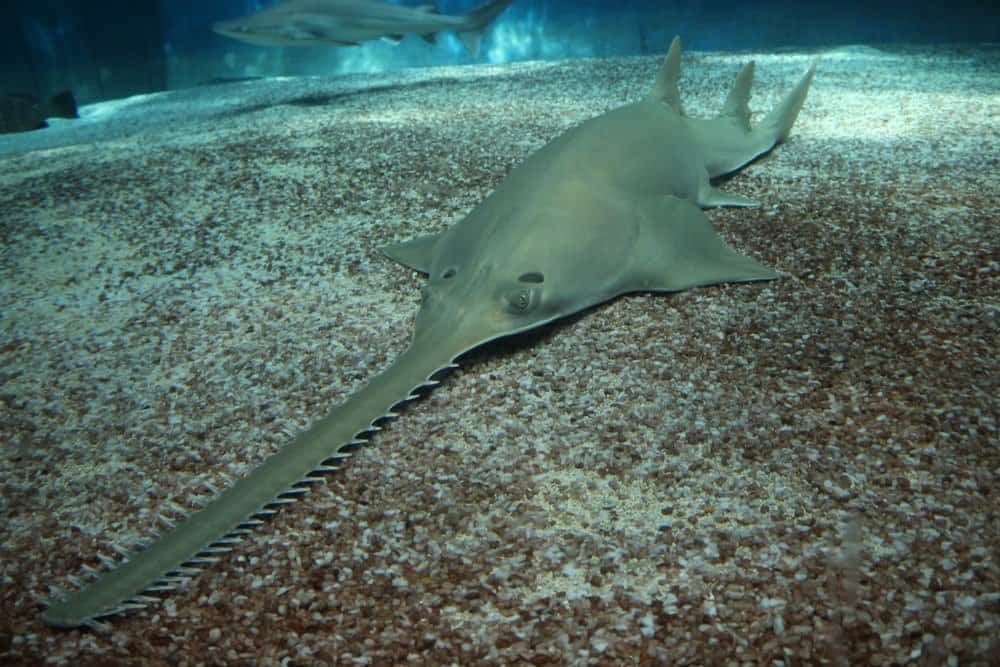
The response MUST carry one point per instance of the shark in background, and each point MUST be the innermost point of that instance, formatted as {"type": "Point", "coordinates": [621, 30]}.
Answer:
{"type": "Point", "coordinates": [351, 22]}
{"type": "Point", "coordinates": [24, 113]}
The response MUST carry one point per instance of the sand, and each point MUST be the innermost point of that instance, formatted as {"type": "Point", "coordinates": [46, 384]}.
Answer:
{"type": "Point", "coordinates": [796, 472]}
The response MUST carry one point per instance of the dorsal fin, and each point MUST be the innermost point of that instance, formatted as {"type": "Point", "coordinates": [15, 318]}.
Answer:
{"type": "Point", "coordinates": [665, 88]}
{"type": "Point", "coordinates": [737, 104]}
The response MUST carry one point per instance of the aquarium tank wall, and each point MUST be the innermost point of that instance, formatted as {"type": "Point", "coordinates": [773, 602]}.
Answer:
{"type": "Point", "coordinates": [106, 49]}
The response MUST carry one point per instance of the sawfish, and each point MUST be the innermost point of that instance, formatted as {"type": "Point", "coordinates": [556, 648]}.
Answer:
{"type": "Point", "coordinates": [350, 22]}
{"type": "Point", "coordinates": [610, 207]}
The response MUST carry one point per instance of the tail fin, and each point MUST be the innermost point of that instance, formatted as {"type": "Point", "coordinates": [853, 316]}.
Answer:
{"type": "Point", "coordinates": [778, 122]}
{"type": "Point", "coordinates": [727, 141]}
{"type": "Point", "coordinates": [476, 20]}
{"type": "Point", "coordinates": [62, 105]}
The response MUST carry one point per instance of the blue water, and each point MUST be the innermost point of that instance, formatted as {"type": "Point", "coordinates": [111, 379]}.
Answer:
{"type": "Point", "coordinates": [112, 48]}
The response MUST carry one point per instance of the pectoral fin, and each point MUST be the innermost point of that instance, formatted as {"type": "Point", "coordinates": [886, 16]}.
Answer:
{"type": "Point", "coordinates": [677, 248]}
{"type": "Point", "coordinates": [709, 197]}
{"type": "Point", "coordinates": [417, 253]}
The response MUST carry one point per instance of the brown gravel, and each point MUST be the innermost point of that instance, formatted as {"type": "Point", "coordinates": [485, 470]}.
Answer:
{"type": "Point", "coordinates": [799, 472]}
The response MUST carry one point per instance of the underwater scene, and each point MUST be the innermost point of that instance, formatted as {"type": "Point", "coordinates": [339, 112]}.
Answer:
{"type": "Point", "coordinates": [499, 332]}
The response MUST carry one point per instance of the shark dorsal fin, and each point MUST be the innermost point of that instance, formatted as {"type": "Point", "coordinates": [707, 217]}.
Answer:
{"type": "Point", "coordinates": [737, 104]}
{"type": "Point", "coordinates": [665, 89]}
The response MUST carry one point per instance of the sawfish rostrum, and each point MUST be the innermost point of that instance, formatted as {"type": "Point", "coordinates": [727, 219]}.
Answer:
{"type": "Point", "coordinates": [610, 207]}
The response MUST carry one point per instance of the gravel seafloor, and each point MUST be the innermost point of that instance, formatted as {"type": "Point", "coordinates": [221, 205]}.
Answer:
{"type": "Point", "coordinates": [796, 472]}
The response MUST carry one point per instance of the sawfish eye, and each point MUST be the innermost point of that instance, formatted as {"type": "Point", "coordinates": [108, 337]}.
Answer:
{"type": "Point", "coordinates": [531, 277]}
{"type": "Point", "coordinates": [518, 301]}
{"type": "Point", "coordinates": [449, 272]}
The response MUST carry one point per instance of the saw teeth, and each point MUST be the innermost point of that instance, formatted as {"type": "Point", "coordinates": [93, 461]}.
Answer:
{"type": "Point", "coordinates": [187, 572]}
{"type": "Point", "coordinates": [161, 588]}
{"type": "Point", "coordinates": [203, 561]}
{"type": "Point", "coordinates": [220, 550]}
{"type": "Point", "coordinates": [145, 599]}
{"type": "Point", "coordinates": [107, 561]}
{"type": "Point", "coordinates": [177, 509]}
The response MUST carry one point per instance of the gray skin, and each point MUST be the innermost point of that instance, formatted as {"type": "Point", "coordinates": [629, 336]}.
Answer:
{"type": "Point", "coordinates": [350, 22]}
{"type": "Point", "coordinates": [610, 207]}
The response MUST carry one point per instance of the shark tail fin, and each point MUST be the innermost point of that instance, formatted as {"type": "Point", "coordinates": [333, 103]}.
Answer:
{"type": "Point", "coordinates": [777, 124]}
{"type": "Point", "coordinates": [728, 139]}
{"type": "Point", "coordinates": [665, 89]}
{"type": "Point", "coordinates": [476, 21]}
{"type": "Point", "coordinates": [62, 105]}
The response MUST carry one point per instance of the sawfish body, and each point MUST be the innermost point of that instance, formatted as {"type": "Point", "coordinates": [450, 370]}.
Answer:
{"type": "Point", "coordinates": [610, 207]}
{"type": "Point", "coordinates": [351, 22]}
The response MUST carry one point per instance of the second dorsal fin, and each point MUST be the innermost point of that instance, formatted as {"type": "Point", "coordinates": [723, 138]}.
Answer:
{"type": "Point", "coordinates": [737, 104]}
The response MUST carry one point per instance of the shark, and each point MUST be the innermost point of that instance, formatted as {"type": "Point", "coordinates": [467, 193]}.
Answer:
{"type": "Point", "coordinates": [24, 113]}
{"type": "Point", "coordinates": [351, 22]}
{"type": "Point", "coordinates": [611, 207]}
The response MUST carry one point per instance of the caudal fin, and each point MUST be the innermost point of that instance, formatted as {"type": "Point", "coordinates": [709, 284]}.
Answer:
{"type": "Point", "coordinates": [730, 142]}
{"type": "Point", "coordinates": [727, 142]}
{"type": "Point", "coordinates": [476, 21]}
{"type": "Point", "coordinates": [62, 105]}
{"type": "Point", "coordinates": [778, 122]}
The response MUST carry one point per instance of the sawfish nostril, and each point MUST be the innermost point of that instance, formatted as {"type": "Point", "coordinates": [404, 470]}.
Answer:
{"type": "Point", "coordinates": [531, 277]}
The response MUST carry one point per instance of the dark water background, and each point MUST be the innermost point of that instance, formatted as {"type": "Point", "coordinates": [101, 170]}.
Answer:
{"type": "Point", "coordinates": [106, 49]}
